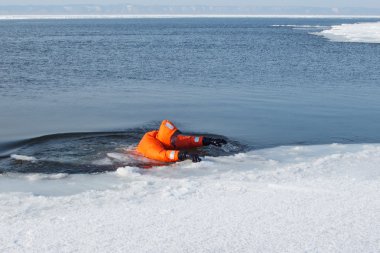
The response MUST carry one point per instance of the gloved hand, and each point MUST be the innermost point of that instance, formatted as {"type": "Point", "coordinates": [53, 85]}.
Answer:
{"type": "Point", "coordinates": [213, 141]}
{"type": "Point", "coordinates": [184, 155]}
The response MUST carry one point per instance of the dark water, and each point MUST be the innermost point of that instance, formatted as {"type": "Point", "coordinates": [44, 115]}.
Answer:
{"type": "Point", "coordinates": [91, 152]}
{"type": "Point", "coordinates": [257, 84]}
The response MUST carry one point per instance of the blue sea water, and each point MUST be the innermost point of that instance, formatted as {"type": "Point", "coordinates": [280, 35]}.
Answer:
{"type": "Point", "coordinates": [255, 81]}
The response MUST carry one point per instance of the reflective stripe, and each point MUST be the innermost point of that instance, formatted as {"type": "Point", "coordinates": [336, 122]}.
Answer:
{"type": "Point", "coordinates": [196, 139]}
{"type": "Point", "coordinates": [172, 154]}
{"type": "Point", "coordinates": [170, 126]}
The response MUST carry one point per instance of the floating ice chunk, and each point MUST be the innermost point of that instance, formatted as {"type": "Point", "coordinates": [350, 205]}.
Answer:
{"type": "Point", "coordinates": [40, 176]}
{"type": "Point", "coordinates": [302, 26]}
{"type": "Point", "coordinates": [23, 158]}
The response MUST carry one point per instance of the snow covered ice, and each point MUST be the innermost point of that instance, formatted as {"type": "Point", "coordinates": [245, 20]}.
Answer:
{"type": "Point", "coordinates": [286, 199]}
{"type": "Point", "coordinates": [361, 32]}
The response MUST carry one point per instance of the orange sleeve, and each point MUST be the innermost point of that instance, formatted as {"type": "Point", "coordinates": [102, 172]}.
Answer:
{"type": "Point", "coordinates": [186, 142]}
{"type": "Point", "coordinates": [165, 133]}
{"type": "Point", "coordinates": [152, 148]}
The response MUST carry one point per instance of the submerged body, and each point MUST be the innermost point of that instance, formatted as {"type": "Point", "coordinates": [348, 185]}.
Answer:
{"type": "Point", "coordinates": [168, 144]}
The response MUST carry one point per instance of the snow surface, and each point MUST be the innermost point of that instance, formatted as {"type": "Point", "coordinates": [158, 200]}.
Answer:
{"type": "Point", "coordinates": [360, 32]}
{"type": "Point", "coordinates": [286, 199]}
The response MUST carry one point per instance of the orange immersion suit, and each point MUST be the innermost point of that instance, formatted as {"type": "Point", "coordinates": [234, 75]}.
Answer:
{"type": "Point", "coordinates": [164, 144]}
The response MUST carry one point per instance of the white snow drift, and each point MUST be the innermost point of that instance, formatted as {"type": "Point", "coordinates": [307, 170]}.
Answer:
{"type": "Point", "coordinates": [286, 199]}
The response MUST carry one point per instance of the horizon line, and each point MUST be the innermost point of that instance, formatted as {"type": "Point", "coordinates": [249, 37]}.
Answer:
{"type": "Point", "coordinates": [134, 16]}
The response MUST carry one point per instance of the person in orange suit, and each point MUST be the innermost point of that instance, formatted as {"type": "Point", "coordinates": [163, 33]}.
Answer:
{"type": "Point", "coordinates": [168, 144]}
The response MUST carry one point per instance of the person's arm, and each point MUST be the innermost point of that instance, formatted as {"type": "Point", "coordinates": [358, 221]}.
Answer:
{"type": "Point", "coordinates": [188, 141]}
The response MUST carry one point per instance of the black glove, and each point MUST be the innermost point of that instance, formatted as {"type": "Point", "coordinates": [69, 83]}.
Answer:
{"type": "Point", "coordinates": [213, 141]}
{"type": "Point", "coordinates": [184, 155]}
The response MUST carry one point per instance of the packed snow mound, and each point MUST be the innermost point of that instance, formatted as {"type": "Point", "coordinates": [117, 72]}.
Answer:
{"type": "Point", "coordinates": [296, 199]}
{"type": "Point", "coordinates": [360, 32]}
